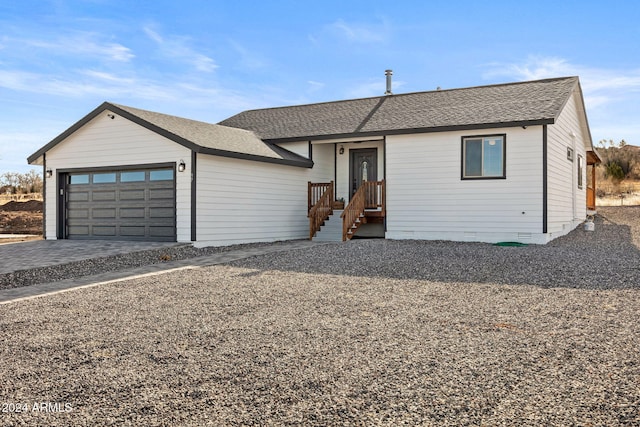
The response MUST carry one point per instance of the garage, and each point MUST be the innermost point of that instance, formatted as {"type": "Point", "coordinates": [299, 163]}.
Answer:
{"type": "Point", "coordinates": [131, 204]}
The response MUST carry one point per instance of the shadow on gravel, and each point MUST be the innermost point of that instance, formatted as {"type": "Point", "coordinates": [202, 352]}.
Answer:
{"type": "Point", "coordinates": [603, 259]}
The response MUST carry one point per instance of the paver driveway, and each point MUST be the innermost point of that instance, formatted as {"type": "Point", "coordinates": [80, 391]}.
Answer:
{"type": "Point", "coordinates": [44, 253]}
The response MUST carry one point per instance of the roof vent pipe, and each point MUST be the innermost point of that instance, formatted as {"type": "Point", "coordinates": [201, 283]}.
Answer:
{"type": "Point", "coordinates": [388, 73]}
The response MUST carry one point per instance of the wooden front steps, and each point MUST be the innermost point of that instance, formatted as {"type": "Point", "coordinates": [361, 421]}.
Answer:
{"type": "Point", "coordinates": [351, 231]}
{"type": "Point", "coordinates": [367, 205]}
{"type": "Point", "coordinates": [331, 229]}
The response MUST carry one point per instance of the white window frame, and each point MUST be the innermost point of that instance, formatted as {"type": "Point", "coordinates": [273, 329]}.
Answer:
{"type": "Point", "coordinates": [580, 171]}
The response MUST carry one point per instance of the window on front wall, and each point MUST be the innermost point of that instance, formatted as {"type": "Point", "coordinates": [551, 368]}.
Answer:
{"type": "Point", "coordinates": [483, 157]}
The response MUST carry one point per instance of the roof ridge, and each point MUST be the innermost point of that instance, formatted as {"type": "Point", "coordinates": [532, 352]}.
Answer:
{"type": "Point", "coordinates": [132, 110]}
{"type": "Point", "coordinates": [127, 108]}
{"type": "Point", "coordinates": [397, 95]}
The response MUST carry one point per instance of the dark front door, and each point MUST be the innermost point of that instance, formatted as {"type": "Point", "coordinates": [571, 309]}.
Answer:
{"type": "Point", "coordinates": [364, 167]}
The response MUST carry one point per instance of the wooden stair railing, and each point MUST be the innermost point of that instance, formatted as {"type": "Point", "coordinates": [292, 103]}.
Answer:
{"type": "Point", "coordinates": [370, 195]}
{"type": "Point", "coordinates": [374, 192]}
{"type": "Point", "coordinates": [315, 191]}
{"type": "Point", "coordinates": [322, 205]}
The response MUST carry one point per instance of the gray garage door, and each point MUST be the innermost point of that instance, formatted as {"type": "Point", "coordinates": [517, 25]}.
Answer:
{"type": "Point", "coordinates": [121, 205]}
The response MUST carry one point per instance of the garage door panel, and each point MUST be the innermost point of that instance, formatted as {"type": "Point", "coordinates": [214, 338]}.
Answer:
{"type": "Point", "coordinates": [132, 212]}
{"type": "Point", "coordinates": [162, 213]}
{"type": "Point", "coordinates": [78, 213]}
{"type": "Point", "coordinates": [128, 230]}
{"type": "Point", "coordinates": [78, 196]}
{"type": "Point", "coordinates": [157, 231]}
{"type": "Point", "coordinates": [104, 230]}
{"type": "Point", "coordinates": [103, 196]}
{"type": "Point", "coordinates": [121, 208]}
{"type": "Point", "coordinates": [164, 193]}
{"type": "Point", "coordinates": [132, 194]}
{"type": "Point", "coordinates": [78, 230]}
{"type": "Point", "coordinates": [103, 213]}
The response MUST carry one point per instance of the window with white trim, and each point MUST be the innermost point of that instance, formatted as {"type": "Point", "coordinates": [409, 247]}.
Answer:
{"type": "Point", "coordinates": [483, 157]}
{"type": "Point", "coordinates": [580, 170]}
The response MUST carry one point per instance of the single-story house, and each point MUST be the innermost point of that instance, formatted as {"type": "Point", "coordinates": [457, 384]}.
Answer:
{"type": "Point", "coordinates": [504, 162]}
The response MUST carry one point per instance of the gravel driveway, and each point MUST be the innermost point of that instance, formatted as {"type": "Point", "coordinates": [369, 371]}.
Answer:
{"type": "Point", "coordinates": [389, 333]}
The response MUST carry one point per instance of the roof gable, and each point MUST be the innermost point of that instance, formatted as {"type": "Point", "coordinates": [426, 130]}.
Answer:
{"type": "Point", "coordinates": [512, 104]}
{"type": "Point", "coordinates": [201, 137]}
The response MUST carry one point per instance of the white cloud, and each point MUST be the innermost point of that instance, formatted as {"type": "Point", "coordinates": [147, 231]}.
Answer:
{"type": "Point", "coordinates": [601, 86]}
{"type": "Point", "coordinates": [533, 68]}
{"type": "Point", "coordinates": [248, 59]}
{"type": "Point", "coordinates": [361, 33]}
{"type": "Point", "coordinates": [153, 35]}
{"type": "Point", "coordinates": [111, 78]}
{"type": "Point", "coordinates": [611, 95]}
{"type": "Point", "coordinates": [315, 86]}
{"type": "Point", "coordinates": [117, 52]}
{"type": "Point", "coordinates": [80, 43]}
{"type": "Point", "coordinates": [177, 48]}
{"type": "Point", "coordinates": [204, 63]}
{"type": "Point", "coordinates": [89, 84]}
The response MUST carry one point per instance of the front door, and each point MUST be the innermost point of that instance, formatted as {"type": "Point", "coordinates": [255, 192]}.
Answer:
{"type": "Point", "coordinates": [364, 167]}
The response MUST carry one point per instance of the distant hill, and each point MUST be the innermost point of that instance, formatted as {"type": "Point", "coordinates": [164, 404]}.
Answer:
{"type": "Point", "coordinates": [631, 148]}
{"type": "Point", "coordinates": [626, 157]}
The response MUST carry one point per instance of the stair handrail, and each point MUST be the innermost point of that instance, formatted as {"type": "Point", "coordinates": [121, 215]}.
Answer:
{"type": "Point", "coordinates": [374, 195]}
{"type": "Point", "coordinates": [353, 211]}
{"type": "Point", "coordinates": [315, 191]}
{"type": "Point", "coordinates": [370, 195]}
{"type": "Point", "coordinates": [321, 210]}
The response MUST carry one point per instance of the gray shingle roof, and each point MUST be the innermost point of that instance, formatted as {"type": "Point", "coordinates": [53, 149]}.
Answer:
{"type": "Point", "coordinates": [206, 138]}
{"type": "Point", "coordinates": [250, 134]}
{"type": "Point", "coordinates": [206, 135]}
{"type": "Point", "coordinates": [534, 102]}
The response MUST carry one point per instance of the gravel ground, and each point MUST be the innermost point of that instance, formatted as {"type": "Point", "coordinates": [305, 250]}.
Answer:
{"type": "Point", "coordinates": [75, 269]}
{"type": "Point", "coordinates": [427, 333]}
{"type": "Point", "coordinates": [607, 258]}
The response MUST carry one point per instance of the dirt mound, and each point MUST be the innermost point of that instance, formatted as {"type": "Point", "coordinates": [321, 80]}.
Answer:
{"type": "Point", "coordinates": [28, 206]}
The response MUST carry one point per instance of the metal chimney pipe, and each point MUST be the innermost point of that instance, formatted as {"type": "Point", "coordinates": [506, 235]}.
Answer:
{"type": "Point", "coordinates": [388, 73]}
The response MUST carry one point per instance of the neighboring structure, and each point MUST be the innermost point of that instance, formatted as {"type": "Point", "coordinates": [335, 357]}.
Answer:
{"type": "Point", "coordinates": [492, 163]}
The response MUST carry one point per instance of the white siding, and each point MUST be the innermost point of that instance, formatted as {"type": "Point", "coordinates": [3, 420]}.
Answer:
{"type": "Point", "coordinates": [567, 202]}
{"type": "Point", "coordinates": [241, 201]}
{"type": "Point", "coordinates": [323, 163]}
{"type": "Point", "coordinates": [427, 199]}
{"type": "Point", "coordinates": [104, 142]}
{"type": "Point", "coordinates": [322, 155]}
{"type": "Point", "coordinates": [301, 148]}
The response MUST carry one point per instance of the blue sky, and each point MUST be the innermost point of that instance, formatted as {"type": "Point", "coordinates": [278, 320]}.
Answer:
{"type": "Point", "coordinates": [207, 60]}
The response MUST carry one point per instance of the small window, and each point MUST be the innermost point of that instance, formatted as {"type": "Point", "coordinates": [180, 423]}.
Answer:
{"type": "Point", "coordinates": [483, 157]}
{"type": "Point", "coordinates": [580, 170]}
{"type": "Point", "coordinates": [136, 176]}
{"type": "Point", "coordinates": [104, 178]}
{"type": "Point", "coordinates": [79, 179]}
{"type": "Point", "coordinates": [161, 175]}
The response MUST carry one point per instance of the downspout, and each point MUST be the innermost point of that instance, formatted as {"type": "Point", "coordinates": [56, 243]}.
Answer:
{"type": "Point", "coordinates": [44, 196]}
{"type": "Point", "coordinates": [194, 196]}
{"type": "Point", "coordinates": [384, 177]}
{"type": "Point", "coordinates": [574, 174]}
{"type": "Point", "coordinates": [545, 214]}
{"type": "Point", "coordinates": [335, 170]}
